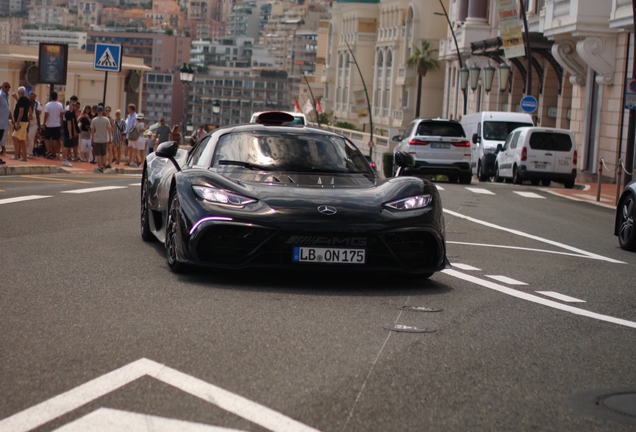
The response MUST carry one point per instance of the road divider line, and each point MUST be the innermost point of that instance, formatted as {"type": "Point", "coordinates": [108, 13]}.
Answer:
{"type": "Point", "coordinates": [519, 248]}
{"type": "Point", "coordinates": [55, 179]}
{"type": "Point", "coordinates": [533, 237]}
{"type": "Point", "coordinates": [506, 280]}
{"type": "Point", "coordinates": [23, 198]}
{"type": "Point", "coordinates": [95, 189]}
{"type": "Point", "coordinates": [561, 297]}
{"type": "Point", "coordinates": [536, 299]}
{"type": "Point", "coordinates": [64, 403]}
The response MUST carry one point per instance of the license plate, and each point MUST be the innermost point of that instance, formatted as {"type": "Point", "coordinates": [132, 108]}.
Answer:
{"type": "Point", "coordinates": [329, 255]}
{"type": "Point", "coordinates": [540, 166]}
{"type": "Point", "coordinates": [440, 145]}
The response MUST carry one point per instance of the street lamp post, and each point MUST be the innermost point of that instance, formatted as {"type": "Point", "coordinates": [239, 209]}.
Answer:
{"type": "Point", "coordinates": [186, 75]}
{"type": "Point", "coordinates": [216, 109]}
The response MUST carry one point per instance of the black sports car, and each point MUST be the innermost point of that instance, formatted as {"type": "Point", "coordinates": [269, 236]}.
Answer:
{"type": "Point", "coordinates": [268, 195]}
{"type": "Point", "coordinates": [625, 214]}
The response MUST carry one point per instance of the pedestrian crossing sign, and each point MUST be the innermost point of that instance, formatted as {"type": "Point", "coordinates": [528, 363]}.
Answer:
{"type": "Point", "coordinates": [107, 57]}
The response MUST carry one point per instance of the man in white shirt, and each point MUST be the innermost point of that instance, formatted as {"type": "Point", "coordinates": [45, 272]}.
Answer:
{"type": "Point", "coordinates": [53, 117]}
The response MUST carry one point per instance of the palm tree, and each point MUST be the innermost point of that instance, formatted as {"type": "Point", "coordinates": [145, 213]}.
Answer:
{"type": "Point", "coordinates": [424, 61]}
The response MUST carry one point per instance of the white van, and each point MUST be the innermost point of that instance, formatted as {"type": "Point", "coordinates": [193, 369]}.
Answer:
{"type": "Point", "coordinates": [539, 155]}
{"type": "Point", "coordinates": [485, 130]}
{"type": "Point", "coordinates": [299, 118]}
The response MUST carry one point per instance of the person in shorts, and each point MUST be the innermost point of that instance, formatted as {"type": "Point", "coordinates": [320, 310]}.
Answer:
{"type": "Point", "coordinates": [84, 121]}
{"type": "Point", "coordinates": [71, 134]}
{"type": "Point", "coordinates": [100, 132]}
{"type": "Point", "coordinates": [53, 117]}
{"type": "Point", "coordinates": [139, 145]}
{"type": "Point", "coordinates": [119, 132]}
{"type": "Point", "coordinates": [21, 124]}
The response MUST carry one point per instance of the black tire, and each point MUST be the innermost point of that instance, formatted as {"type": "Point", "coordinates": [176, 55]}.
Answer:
{"type": "Point", "coordinates": [146, 233]}
{"type": "Point", "coordinates": [498, 178]}
{"type": "Point", "coordinates": [172, 227]}
{"type": "Point", "coordinates": [515, 176]}
{"type": "Point", "coordinates": [568, 184]}
{"type": "Point", "coordinates": [546, 183]}
{"type": "Point", "coordinates": [534, 182]}
{"type": "Point", "coordinates": [452, 178]}
{"type": "Point", "coordinates": [480, 175]}
{"type": "Point", "coordinates": [626, 231]}
{"type": "Point", "coordinates": [466, 178]}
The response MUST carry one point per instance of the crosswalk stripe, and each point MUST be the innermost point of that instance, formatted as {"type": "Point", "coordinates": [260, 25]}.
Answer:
{"type": "Point", "coordinates": [506, 280]}
{"type": "Point", "coordinates": [465, 267]}
{"type": "Point", "coordinates": [561, 297]}
{"type": "Point", "coordinates": [23, 198]}
{"type": "Point", "coordinates": [97, 189]}
{"type": "Point", "coordinates": [529, 194]}
{"type": "Point", "coordinates": [480, 191]}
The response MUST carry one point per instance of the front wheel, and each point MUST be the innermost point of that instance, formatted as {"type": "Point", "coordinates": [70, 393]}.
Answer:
{"type": "Point", "coordinates": [498, 177]}
{"type": "Point", "coordinates": [626, 232]}
{"type": "Point", "coordinates": [146, 234]}
{"type": "Point", "coordinates": [569, 184]}
{"type": "Point", "coordinates": [466, 178]}
{"type": "Point", "coordinates": [480, 174]}
{"type": "Point", "coordinates": [172, 237]}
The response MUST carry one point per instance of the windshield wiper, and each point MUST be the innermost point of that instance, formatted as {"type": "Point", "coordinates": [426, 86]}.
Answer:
{"type": "Point", "coordinates": [247, 165]}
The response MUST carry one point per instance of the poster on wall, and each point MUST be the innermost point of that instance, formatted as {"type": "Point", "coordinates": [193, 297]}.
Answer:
{"type": "Point", "coordinates": [510, 28]}
{"type": "Point", "coordinates": [52, 63]}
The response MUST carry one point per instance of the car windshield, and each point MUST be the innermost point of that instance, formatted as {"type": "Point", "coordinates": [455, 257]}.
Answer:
{"type": "Point", "coordinates": [441, 128]}
{"type": "Point", "coordinates": [499, 130]}
{"type": "Point", "coordinates": [290, 152]}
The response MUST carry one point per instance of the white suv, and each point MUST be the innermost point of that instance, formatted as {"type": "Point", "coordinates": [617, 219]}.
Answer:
{"type": "Point", "coordinates": [439, 147]}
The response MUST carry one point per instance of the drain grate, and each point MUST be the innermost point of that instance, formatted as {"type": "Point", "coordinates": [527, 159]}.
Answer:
{"type": "Point", "coordinates": [617, 404]}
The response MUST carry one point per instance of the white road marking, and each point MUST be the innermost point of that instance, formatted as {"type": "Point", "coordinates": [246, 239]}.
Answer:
{"type": "Point", "coordinates": [520, 248]}
{"type": "Point", "coordinates": [533, 237]}
{"type": "Point", "coordinates": [135, 184]}
{"type": "Point", "coordinates": [23, 198]}
{"type": "Point", "coordinates": [592, 197]}
{"type": "Point", "coordinates": [95, 189]}
{"type": "Point", "coordinates": [536, 299]}
{"type": "Point", "coordinates": [465, 266]}
{"type": "Point", "coordinates": [529, 194]}
{"type": "Point", "coordinates": [108, 419]}
{"type": "Point", "coordinates": [439, 187]}
{"type": "Point", "coordinates": [480, 191]}
{"type": "Point", "coordinates": [561, 297]}
{"type": "Point", "coordinates": [506, 280]}
{"type": "Point", "coordinates": [66, 402]}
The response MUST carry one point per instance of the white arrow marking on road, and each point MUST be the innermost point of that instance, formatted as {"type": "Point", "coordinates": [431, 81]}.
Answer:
{"type": "Point", "coordinates": [439, 187]}
{"type": "Point", "coordinates": [66, 402]}
{"type": "Point", "coordinates": [536, 299]}
{"type": "Point", "coordinates": [561, 297]}
{"type": "Point", "coordinates": [108, 420]}
{"type": "Point", "coordinates": [465, 266]}
{"type": "Point", "coordinates": [506, 280]}
{"type": "Point", "coordinates": [23, 198]}
{"type": "Point", "coordinates": [529, 194]}
{"type": "Point", "coordinates": [533, 237]}
{"type": "Point", "coordinates": [480, 191]}
{"type": "Point", "coordinates": [95, 189]}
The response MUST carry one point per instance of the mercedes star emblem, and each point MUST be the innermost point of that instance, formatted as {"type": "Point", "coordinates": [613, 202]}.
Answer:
{"type": "Point", "coordinates": [327, 210]}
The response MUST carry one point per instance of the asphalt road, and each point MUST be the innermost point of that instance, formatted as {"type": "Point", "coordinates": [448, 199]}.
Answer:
{"type": "Point", "coordinates": [81, 296]}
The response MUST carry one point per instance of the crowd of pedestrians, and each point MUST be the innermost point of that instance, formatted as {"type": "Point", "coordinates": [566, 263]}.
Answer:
{"type": "Point", "coordinates": [74, 134]}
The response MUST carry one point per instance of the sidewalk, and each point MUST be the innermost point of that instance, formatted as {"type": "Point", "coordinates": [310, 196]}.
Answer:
{"type": "Point", "coordinates": [42, 165]}
{"type": "Point", "coordinates": [586, 192]}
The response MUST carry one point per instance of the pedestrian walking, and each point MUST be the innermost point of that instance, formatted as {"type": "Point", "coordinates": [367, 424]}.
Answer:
{"type": "Point", "coordinates": [5, 116]}
{"type": "Point", "coordinates": [100, 129]}
{"type": "Point", "coordinates": [20, 125]}
{"type": "Point", "coordinates": [53, 117]}
{"type": "Point", "coordinates": [119, 131]}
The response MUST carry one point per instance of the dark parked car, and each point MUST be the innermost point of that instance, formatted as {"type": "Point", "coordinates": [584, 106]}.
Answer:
{"type": "Point", "coordinates": [371, 163]}
{"type": "Point", "coordinates": [625, 212]}
{"type": "Point", "coordinates": [269, 195]}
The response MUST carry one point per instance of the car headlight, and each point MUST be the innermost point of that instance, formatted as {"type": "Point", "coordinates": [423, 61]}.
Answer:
{"type": "Point", "coordinates": [221, 196]}
{"type": "Point", "coordinates": [410, 203]}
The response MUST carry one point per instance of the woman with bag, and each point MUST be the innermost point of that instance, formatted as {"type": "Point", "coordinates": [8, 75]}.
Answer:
{"type": "Point", "coordinates": [119, 130]}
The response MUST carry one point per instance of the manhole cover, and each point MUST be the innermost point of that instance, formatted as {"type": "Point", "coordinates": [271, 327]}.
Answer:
{"type": "Point", "coordinates": [617, 404]}
{"type": "Point", "coordinates": [419, 309]}
{"type": "Point", "coordinates": [408, 329]}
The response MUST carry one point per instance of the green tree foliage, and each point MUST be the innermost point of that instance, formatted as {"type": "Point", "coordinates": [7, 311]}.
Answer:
{"type": "Point", "coordinates": [423, 59]}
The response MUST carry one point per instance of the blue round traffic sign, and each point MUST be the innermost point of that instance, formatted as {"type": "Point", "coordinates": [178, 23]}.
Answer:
{"type": "Point", "coordinates": [529, 104]}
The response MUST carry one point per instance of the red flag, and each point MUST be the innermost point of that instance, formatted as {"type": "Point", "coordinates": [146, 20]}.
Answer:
{"type": "Point", "coordinates": [318, 107]}
{"type": "Point", "coordinates": [296, 105]}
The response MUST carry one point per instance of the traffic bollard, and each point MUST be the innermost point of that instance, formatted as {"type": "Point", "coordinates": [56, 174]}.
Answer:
{"type": "Point", "coordinates": [598, 183]}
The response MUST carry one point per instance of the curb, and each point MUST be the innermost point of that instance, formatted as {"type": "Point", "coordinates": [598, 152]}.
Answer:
{"type": "Point", "coordinates": [37, 169]}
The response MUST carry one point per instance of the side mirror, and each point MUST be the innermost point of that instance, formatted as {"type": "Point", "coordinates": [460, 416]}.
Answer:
{"type": "Point", "coordinates": [499, 147]}
{"type": "Point", "coordinates": [397, 138]}
{"type": "Point", "coordinates": [168, 150]}
{"type": "Point", "coordinates": [476, 139]}
{"type": "Point", "coordinates": [404, 160]}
